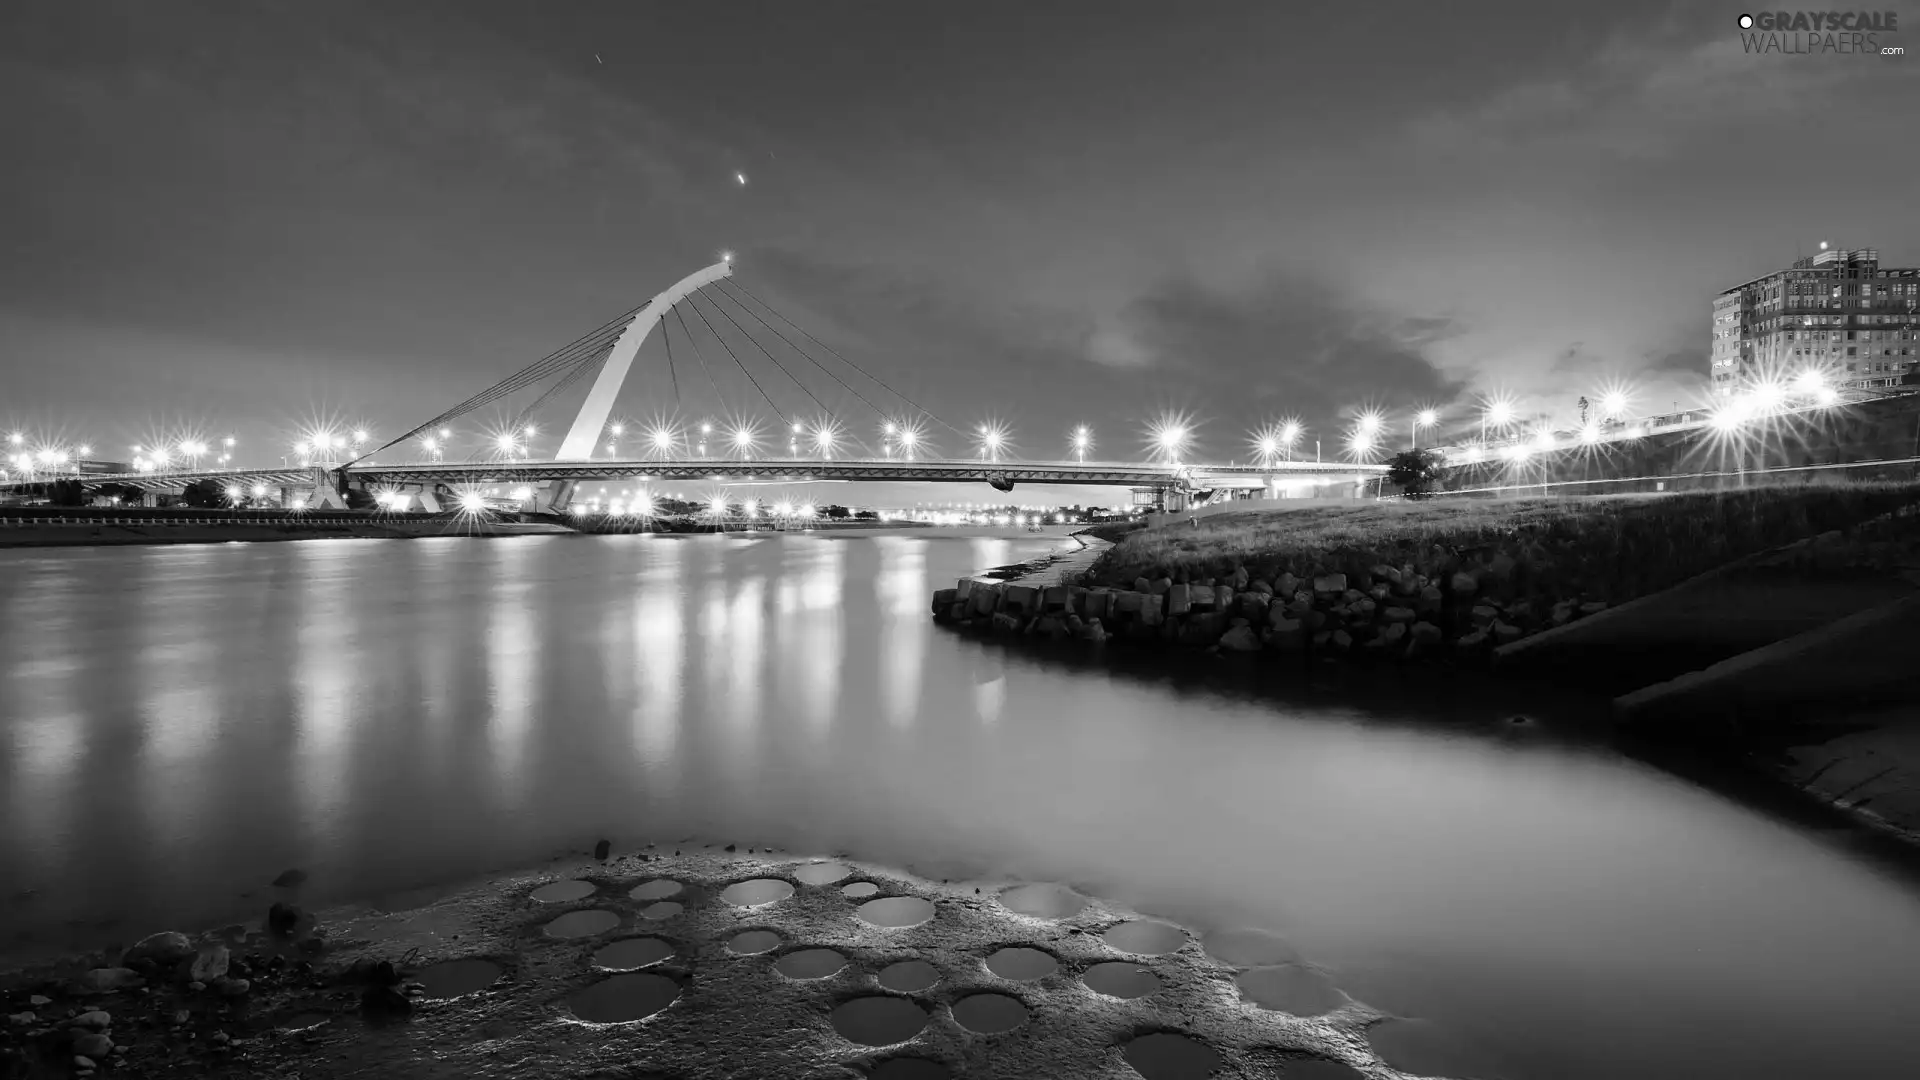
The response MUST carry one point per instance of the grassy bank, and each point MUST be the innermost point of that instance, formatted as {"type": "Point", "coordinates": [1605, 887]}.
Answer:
{"type": "Point", "coordinates": [1609, 548]}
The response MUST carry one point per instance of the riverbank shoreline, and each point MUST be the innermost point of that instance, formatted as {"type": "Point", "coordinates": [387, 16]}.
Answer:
{"type": "Point", "coordinates": [709, 962]}
{"type": "Point", "coordinates": [1477, 609]}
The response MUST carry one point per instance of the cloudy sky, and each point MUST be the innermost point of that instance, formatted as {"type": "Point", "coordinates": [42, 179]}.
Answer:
{"type": "Point", "coordinates": [245, 216]}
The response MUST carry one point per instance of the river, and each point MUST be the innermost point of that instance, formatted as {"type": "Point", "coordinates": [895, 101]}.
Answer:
{"type": "Point", "coordinates": [179, 724]}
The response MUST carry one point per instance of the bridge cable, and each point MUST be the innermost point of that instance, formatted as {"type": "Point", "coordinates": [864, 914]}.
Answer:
{"type": "Point", "coordinates": [719, 398]}
{"type": "Point", "coordinates": [743, 368]}
{"type": "Point", "coordinates": [571, 353]}
{"type": "Point", "coordinates": [876, 409]}
{"type": "Point", "coordinates": [668, 343]}
{"type": "Point", "coordinates": [763, 352]}
{"type": "Point", "coordinates": [586, 367]}
{"type": "Point", "coordinates": [735, 284]}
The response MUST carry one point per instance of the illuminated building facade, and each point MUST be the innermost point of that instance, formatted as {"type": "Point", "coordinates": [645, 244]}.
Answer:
{"type": "Point", "coordinates": [1839, 313]}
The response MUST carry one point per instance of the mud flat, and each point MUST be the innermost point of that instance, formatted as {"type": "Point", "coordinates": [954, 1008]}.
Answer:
{"type": "Point", "coordinates": [709, 963]}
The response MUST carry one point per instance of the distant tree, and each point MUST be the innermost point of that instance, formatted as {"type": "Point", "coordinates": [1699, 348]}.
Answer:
{"type": "Point", "coordinates": [126, 493]}
{"type": "Point", "coordinates": [1416, 472]}
{"type": "Point", "coordinates": [866, 515]}
{"type": "Point", "coordinates": [204, 495]}
{"type": "Point", "coordinates": [358, 499]}
{"type": "Point", "coordinates": [66, 493]}
{"type": "Point", "coordinates": [838, 512]}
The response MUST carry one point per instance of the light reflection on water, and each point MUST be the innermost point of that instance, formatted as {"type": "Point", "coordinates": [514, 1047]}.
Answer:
{"type": "Point", "coordinates": [180, 724]}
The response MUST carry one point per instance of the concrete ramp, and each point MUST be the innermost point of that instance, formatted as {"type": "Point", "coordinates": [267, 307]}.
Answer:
{"type": "Point", "coordinates": [1860, 662]}
{"type": "Point", "coordinates": [1732, 610]}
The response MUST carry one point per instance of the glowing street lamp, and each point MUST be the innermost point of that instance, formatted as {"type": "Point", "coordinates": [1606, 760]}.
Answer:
{"type": "Point", "coordinates": [1170, 437]}
{"type": "Point", "coordinates": [992, 439]}
{"type": "Point", "coordinates": [1423, 418]}
{"type": "Point", "coordinates": [825, 439]}
{"type": "Point", "coordinates": [662, 439]}
{"type": "Point", "coordinates": [908, 440]}
{"type": "Point", "coordinates": [1082, 442]}
{"type": "Point", "coordinates": [743, 440]}
{"type": "Point", "coordinates": [1498, 415]}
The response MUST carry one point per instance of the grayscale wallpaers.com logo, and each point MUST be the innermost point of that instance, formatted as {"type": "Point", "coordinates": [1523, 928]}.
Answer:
{"type": "Point", "coordinates": [1807, 32]}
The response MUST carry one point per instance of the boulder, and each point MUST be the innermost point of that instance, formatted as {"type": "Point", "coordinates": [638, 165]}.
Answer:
{"type": "Point", "coordinates": [1484, 616]}
{"type": "Point", "coordinates": [1260, 585]}
{"type": "Point", "coordinates": [1391, 636]}
{"type": "Point", "coordinates": [1287, 635]}
{"type": "Point", "coordinates": [1473, 641]}
{"type": "Point", "coordinates": [1019, 600]}
{"type": "Point", "coordinates": [93, 1045]}
{"type": "Point", "coordinates": [1593, 607]}
{"type": "Point", "coordinates": [96, 1020]}
{"type": "Point", "coordinates": [1161, 585]}
{"type": "Point", "coordinates": [1240, 639]}
{"type": "Point", "coordinates": [1222, 597]}
{"type": "Point", "coordinates": [1342, 640]}
{"type": "Point", "coordinates": [1429, 600]}
{"type": "Point", "coordinates": [1075, 624]}
{"type": "Point", "coordinates": [1150, 609]}
{"type": "Point", "coordinates": [165, 948]}
{"type": "Point", "coordinates": [1330, 584]}
{"type": "Point", "coordinates": [986, 597]}
{"type": "Point", "coordinates": [1240, 577]}
{"type": "Point", "coordinates": [1129, 602]}
{"type": "Point", "coordinates": [1379, 593]}
{"type": "Point", "coordinates": [1093, 631]}
{"type": "Point", "coordinates": [1385, 575]}
{"type": "Point", "coordinates": [1502, 566]}
{"type": "Point", "coordinates": [1004, 623]}
{"type": "Point", "coordinates": [1425, 634]}
{"type": "Point", "coordinates": [282, 918]}
{"type": "Point", "coordinates": [1562, 613]}
{"type": "Point", "coordinates": [963, 589]}
{"type": "Point", "coordinates": [943, 599]}
{"type": "Point", "coordinates": [1465, 584]}
{"type": "Point", "coordinates": [1398, 615]}
{"type": "Point", "coordinates": [1506, 633]}
{"type": "Point", "coordinates": [1362, 611]}
{"type": "Point", "coordinates": [1097, 603]}
{"type": "Point", "coordinates": [1323, 639]}
{"type": "Point", "coordinates": [1287, 585]}
{"type": "Point", "coordinates": [1179, 599]}
{"type": "Point", "coordinates": [1054, 598]}
{"type": "Point", "coordinates": [1142, 585]}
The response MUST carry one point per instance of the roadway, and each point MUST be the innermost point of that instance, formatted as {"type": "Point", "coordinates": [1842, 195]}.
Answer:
{"type": "Point", "coordinates": [462, 474]}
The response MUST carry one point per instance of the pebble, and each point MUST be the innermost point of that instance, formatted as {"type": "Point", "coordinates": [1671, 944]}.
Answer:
{"type": "Point", "coordinates": [232, 987]}
{"type": "Point", "coordinates": [23, 1018]}
{"type": "Point", "coordinates": [82, 1061]}
{"type": "Point", "coordinates": [93, 1045]}
{"type": "Point", "coordinates": [181, 1016]}
{"type": "Point", "coordinates": [196, 986]}
{"type": "Point", "coordinates": [97, 1019]}
{"type": "Point", "coordinates": [38, 1000]}
{"type": "Point", "coordinates": [165, 947]}
{"type": "Point", "coordinates": [210, 964]}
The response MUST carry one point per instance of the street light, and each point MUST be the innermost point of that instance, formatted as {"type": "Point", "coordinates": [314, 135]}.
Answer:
{"type": "Point", "coordinates": [908, 439]}
{"type": "Point", "coordinates": [993, 438]}
{"type": "Point", "coordinates": [1082, 441]}
{"type": "Point", "coordinates": [1423, 418]}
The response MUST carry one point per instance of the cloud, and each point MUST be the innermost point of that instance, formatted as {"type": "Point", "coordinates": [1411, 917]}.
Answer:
{"type": "Point", "coordinates": [1288, 344]}
{"type": "Point", "coordinates": [1651, 94]}
{"type": "Point", "coordinates": [1291, 343]}
{"type": "Point", "coordinates": [1683, 361]}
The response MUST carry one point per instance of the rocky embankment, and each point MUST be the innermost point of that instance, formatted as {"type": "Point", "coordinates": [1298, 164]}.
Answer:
{"type": "Point", "coordinates": [1386, 612]}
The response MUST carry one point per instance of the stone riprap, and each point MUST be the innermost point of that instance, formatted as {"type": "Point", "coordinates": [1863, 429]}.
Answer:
{"type": "Point", "coordinates": [1389, 612]}
{"type": "Point", "coordinates": [771, 966]}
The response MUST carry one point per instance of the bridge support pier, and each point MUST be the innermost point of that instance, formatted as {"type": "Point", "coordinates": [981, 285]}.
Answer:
{"type": "Point", "coordinates": [429, 501]}
{"type": "Point", "coordinates": [555, 496]}
{"type": "Point", "coordinates": [326, 492]}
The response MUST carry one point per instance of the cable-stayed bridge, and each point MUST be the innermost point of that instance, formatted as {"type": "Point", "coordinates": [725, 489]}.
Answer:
{"type": "Point", "coordinates": [738, 327]}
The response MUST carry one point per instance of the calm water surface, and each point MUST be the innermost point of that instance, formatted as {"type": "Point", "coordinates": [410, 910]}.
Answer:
{"type": "Point", "coordinates": [179, 724]}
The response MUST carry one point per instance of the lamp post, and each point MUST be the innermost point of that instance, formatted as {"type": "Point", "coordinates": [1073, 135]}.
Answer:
{"type": "Point", "coordinates": [1423, 418]}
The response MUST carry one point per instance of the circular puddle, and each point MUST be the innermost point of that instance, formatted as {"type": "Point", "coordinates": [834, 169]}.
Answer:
{"type": "Point", "coordinates": [824, 873]}
{"type": "Point", "coordinates": [859, 890]}
{"type": "Point", "coordinates": [665, 909]}
{"type": "Point", "coordinates": [457, 977]}
{"type": "Point", "coordinates": [559, 892]}
{"type": "Point", "coordinates": [633, 952]}
{"type": "Point", "coordinates": [622, 999]}
{"type": "Point", "coordinates": [1145, 937]}
{"type": "Point", "coordinates": [754, 942]}
{"type": "Point", "coordinates": [1121, 979]}
{"type": "Point", "coordinates": [1165, 1055]}
{"type": "Point", "coordinates": [1043, 901]}
{"type": "Point", "coordinates": [1249, 948]}
{"type": "Point", "coordinates": [897, 911]}
{"type": "Point", "coordinates": [1290, 988]}
{"type": "Point", "coordinates": [878, 1021]}
{"type": "Point", "coordinates": [583, 923]}
{"type": "Point", "coordinates": [810, 964]}
{"type": "Point", "coordinates": [757, 892]}
{"type": "Point", "coordinates": [657, 889]}
{"type": "Point", "coordinates": [909, 976]}
{"type": "Point", "coordinates": [910, 1069]}
{"type": "Point", "coordinates": [989, 1014]}
{"type": "Point", "coordinates": [1022, 965]}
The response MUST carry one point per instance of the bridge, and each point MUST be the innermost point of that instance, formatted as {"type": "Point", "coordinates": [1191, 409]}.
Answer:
{"type": "Point", "coordinates": [609, 353]}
